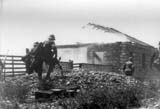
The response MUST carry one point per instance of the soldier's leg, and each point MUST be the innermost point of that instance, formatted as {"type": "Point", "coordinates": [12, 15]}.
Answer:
{"type": "Point", "coordinates": [39, 71]}
{"type": "Point", "coordinates": [49, 70]}
{"type": "Point", "coordinates": [29, 70]}
{"type": "Point", "coordinates": [38, 68]}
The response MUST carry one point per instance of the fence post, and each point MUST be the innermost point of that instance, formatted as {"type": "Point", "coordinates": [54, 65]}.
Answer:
{"type": "Point", "coordinates": [12, 66]}
{"type": "Point", "coordinates": [4, 69]}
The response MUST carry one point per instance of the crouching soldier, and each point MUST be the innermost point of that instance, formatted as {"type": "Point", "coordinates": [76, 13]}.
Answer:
{"type": "Point", "coordinates": [128, 67]}
{"type": "Point", "coordinates": [29, 59]}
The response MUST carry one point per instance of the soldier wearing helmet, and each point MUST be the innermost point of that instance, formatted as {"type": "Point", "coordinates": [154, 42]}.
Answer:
{"type": "Point", "coordinates": [128, 67]}
{"type": "Point", "coordinates": [51, 37]}
{"type": "Point", "coordinates": [35, 45]}
{"type": "Point", "coordinates": [50, 53]}
{"type": "Point", "coordinates": [30, 57]}
{"type": "Point", "coordinates": [51, 40]}
{"type": "Point", "coordinates": [50, 47]}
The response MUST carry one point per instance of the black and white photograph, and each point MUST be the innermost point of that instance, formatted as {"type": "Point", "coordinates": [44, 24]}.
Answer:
{"type": "Point", "coordinates": [79, 54]}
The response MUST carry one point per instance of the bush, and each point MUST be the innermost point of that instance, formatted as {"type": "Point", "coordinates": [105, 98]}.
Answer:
{"type": "Point", "coordinates": [107, 97]}
{"type": "Point", "coordinates": [14, 92]}
{"type": "Point", "coordinates": [101, 89]}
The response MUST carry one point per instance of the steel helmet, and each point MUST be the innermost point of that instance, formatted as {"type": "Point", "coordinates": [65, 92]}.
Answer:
{"type": "Point", "coordinates": [36, 43]}
{"type": "Point", "coordinates": [51, 37]}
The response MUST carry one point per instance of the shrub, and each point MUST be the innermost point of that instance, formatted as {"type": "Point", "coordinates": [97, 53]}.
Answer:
{"type": "Point", "coordinates": [107, 97]}
{"type": "Point", "coordinates": [14, 92]}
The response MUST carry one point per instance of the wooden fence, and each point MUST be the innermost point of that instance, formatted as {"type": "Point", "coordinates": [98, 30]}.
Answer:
{"type": "Point", "coordinates": [15, 66]}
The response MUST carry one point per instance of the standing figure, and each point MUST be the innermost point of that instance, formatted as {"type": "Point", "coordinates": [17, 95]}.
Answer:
{"type": "Point", "coordinates": [50, 54]}
{"type": "Point", "coordinates": [44, 52]}
{"type": "Point", "coordinates": [128, 67]}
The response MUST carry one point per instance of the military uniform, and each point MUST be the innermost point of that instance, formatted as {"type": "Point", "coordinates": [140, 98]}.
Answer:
{"type": "Point", "coordinates": [50, 54]}
{"type": "Point", "coordinates": [37, 58]}
{"type": "Point", "coordinates": [50, 51]}
{"type": "Point", "coordinates": [128, 68]}
{"type": "Point", "coordinates": [29, 59]}
{"type": "Point", "coordinates": [44, 52]}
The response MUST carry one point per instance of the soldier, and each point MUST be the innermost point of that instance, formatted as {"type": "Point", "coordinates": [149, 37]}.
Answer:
{"type": "Point", "coordinates": [29, 59]}
{"type": "Point", "coordinates": [35, 45]}
{"type": "Point", "coordinates": [128, 67]}
{"type": "Point", "coordinates": [49, 46]}
{"type": "Point", "coordinates": [44, 52]}
{"type": "Point", "coordinates": [50, 54]}
{"type": "Point", "coordinates": [36, 59]}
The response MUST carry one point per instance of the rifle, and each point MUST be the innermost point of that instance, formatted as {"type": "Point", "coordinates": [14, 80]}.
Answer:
{"type": "Point", "coordinates": [57, 61]}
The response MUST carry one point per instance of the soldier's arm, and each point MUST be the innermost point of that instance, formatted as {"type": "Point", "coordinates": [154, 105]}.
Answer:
{"type": "Point", "coordinates": [55, 52]}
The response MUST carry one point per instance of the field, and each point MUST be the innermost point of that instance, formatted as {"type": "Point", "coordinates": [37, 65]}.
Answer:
{"type": "Point", "coordinates": [93, 90]}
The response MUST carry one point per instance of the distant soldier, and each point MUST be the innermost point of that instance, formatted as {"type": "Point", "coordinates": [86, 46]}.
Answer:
{"type": "Point", "coordinates": [128, 67]}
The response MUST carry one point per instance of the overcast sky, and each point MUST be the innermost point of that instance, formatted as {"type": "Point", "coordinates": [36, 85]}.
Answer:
{"type": "Point", "coordinates": [23, 22]}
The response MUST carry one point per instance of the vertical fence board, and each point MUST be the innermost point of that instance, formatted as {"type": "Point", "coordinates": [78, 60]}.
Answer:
{"type": "Point", "coordinates": [12, 66]}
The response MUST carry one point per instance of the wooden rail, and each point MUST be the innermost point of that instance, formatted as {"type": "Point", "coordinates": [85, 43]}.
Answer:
{"type": "Point", "coordinates": [93, 67]}
{"type": "Point", "coordinates": [13, 66]}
